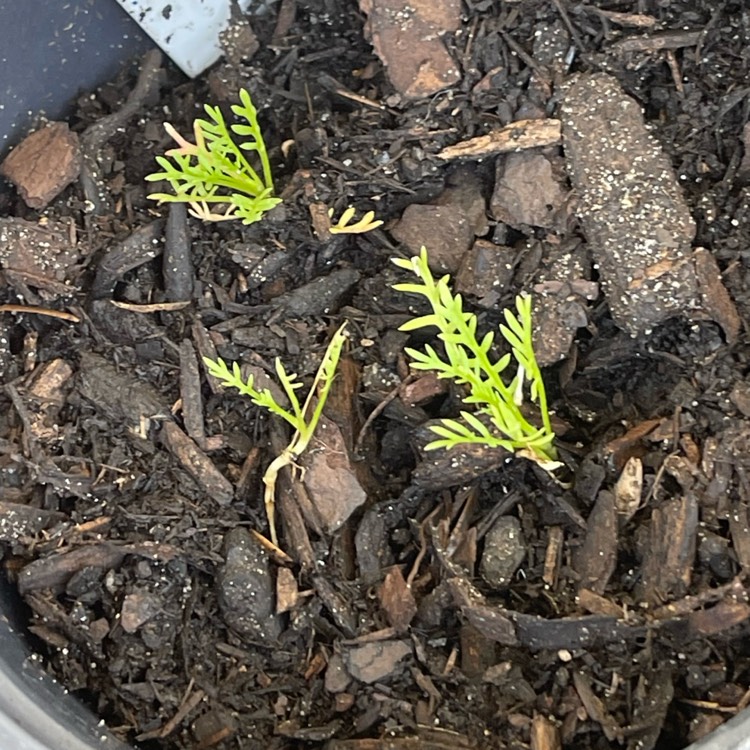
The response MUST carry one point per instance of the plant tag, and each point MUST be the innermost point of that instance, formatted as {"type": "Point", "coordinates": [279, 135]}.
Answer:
{"type": "Point", "coordinates": [186, 30]}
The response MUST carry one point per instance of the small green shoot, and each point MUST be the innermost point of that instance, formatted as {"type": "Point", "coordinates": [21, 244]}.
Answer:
{"type": "Point", "coordinates": [467, 362]}
{"type": "Point", "coordinates": [215, 169]}
{"type": "Point", "coordinates": [303, 417]}
{"type": "Point", "coordinates": [366, 224]}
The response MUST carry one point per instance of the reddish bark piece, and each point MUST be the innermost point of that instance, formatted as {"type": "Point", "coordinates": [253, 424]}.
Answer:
{"type": "Point", "coordinates": [486, 272]}
{"type": "Point", "coordinates": [44, 164]}
{"type": "Point", "coordinates": [477, 651]}
{"type": "Point", "coordinates": [407, 40]}
{"type": "Point", "coordinates": [397, 599]}
{"type": "Point", "coordinates": [528, 192]}
{"type": "Point", "coordinates": [450, 234]}
{"type": "Point", "coordinates": [423, 389]}
{"type": "Point", "coordinates": [373, 662]}
{"type": "Point", "coordinates": [137, 609]}
{"type": "Point", "coordinates": [717, 619]}
{"type": "Point", "coordinates": [330, 479]}
{"type": "Point", "coordinates": [715, 299]}
{"type": "Point", "coordinates": [197, 464]}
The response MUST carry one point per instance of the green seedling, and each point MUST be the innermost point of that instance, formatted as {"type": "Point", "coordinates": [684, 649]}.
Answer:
{"type": "Point", "coordinates": [303, 417]}
{"type": "Point", "coordinates": [343, 226]}
{"type": "Point", "coordinates": [216, 170]}
{"type": "Point", "coordinates": [498, 419]}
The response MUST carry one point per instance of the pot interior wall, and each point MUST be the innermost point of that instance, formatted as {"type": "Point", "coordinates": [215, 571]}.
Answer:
{"type": "Point", "coordinates": [36, 713]}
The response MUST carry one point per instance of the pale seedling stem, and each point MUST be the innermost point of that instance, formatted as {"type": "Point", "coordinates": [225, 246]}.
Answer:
{"type": "Point", "coordinates": [303, 417]}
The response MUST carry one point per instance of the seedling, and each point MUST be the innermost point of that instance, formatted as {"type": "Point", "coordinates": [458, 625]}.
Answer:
{"type": "Point", "coordinates": [215, 169]}
{"type": "Point", "coordinates": [498, 419]}
{"type": "Point", "coordinates": [366, 224]}
{"type": "Point", "coordinates": [303, 417]}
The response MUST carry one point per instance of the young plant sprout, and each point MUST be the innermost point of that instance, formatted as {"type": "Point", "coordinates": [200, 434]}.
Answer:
{"type": "Point", "coordinates": [467, 362]}
{"type": "Point", "coordinates": [303, 417]}
{"type": "Point", "coordinates": [217, 168]}
{"type": "Point", "coordinates": [366, 224]}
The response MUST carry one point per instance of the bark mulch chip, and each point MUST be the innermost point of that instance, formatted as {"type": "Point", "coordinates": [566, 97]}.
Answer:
{"type": "Point", "coordinates": [593, 158]}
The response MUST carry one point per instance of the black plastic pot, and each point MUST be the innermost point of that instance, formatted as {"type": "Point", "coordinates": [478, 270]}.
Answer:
{"type": "Point", "coordinates": [50, 54]}
{"type": "Point", "coordinates": [51, 51]}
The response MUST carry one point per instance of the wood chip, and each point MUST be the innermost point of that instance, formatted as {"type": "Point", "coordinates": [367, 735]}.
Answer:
{"type": "Point", "coordinates": [191, 394]}
{"type": "Point", "coordinates": [595, 560]}
{"type": "Point", "coordinates": [197, 464]}
{"type": "Point", "coordinates": [544, 734]}
{"type": "Point", "coordinates": [714, 297]}
{"type": "Point", "coordinates": [596, 708]}
{"type": "Point", "coordinates": [287, 591]}
{"type": "Point", "coordinates": [599, 605]}
{"type": "Point", "coordinates": [668, 557]}
{"type": "Point", "coordinates": [629, 488]}
{"type": "Point", "coordinates": [397, 600]}
{"type": "Point", "coordinates": [410, 46]}
{"type": "Point", "coordinates": [330, 479]}
{"type": "Point", "coordinates": [514, 137]}
{"type": "Point", "coordinates": [739, 528]}
{"type": "Point", "coordinates": [553, 555]}
{"type": "Point", "coordinates": [40, 255]}
{"type": "Point", "coordinates": [717, 619]}
{"type": "Point", "coordinates": [44, 164]}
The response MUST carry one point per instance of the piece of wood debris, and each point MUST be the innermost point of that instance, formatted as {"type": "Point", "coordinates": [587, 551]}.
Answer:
{"type": "Point", "coordinates": [397, 600]}
{"type": "Point", "coordinates": [44, 164]}
{"type": "Point", "coordinates": [409, 43]}
{"type": "Point", "coordinates": [661, 41]}
{"type": "Point", "coordinates": [514, 137]}
{"type": "Point", "coordinates": [595, 560]}
{"type": "Point", "coordinates": [596, 708]}
{"type": "Point", "coordinates": [629, 488]}
{"type": "Point", "coordinates": [329, 477]}
{"type": "Point", "coordinates": [553, 555]}
{"type": "Point", "coordinates": [590, 601]}
{"type": "Point", "coordinates": [669, 554]}
{"type": "Point", "coordinates": [197, 464]}
{"type": "Point", "coordinates": [287, 591]}
{"type": "Point", "coordinates": [545, 734]}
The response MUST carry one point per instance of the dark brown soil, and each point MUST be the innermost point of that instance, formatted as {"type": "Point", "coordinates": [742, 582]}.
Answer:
{"type": "Point", "coordinates": [428, 600]}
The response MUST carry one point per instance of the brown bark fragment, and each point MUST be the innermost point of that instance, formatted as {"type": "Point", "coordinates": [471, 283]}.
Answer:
{"type": "Point", "coordinates": [596, 559]}
{"type": "Point", "coordinates": [668, 559]}
{"type": "Point", "coordinates": [397, 599]}
{"type": "Point", "coordinates": [407, 38]}
{"type": "Point", "coordinates": [197, 464]}
{"type": "Point", "coordinates": [44, 164]}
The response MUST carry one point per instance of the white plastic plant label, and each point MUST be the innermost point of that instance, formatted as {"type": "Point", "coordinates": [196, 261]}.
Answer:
{"type": "Point", "coordinates": [186, 30]}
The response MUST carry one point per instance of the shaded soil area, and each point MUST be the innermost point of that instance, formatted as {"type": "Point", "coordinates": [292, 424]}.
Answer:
{"type": "Point", "coordinates": [594, 157]}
